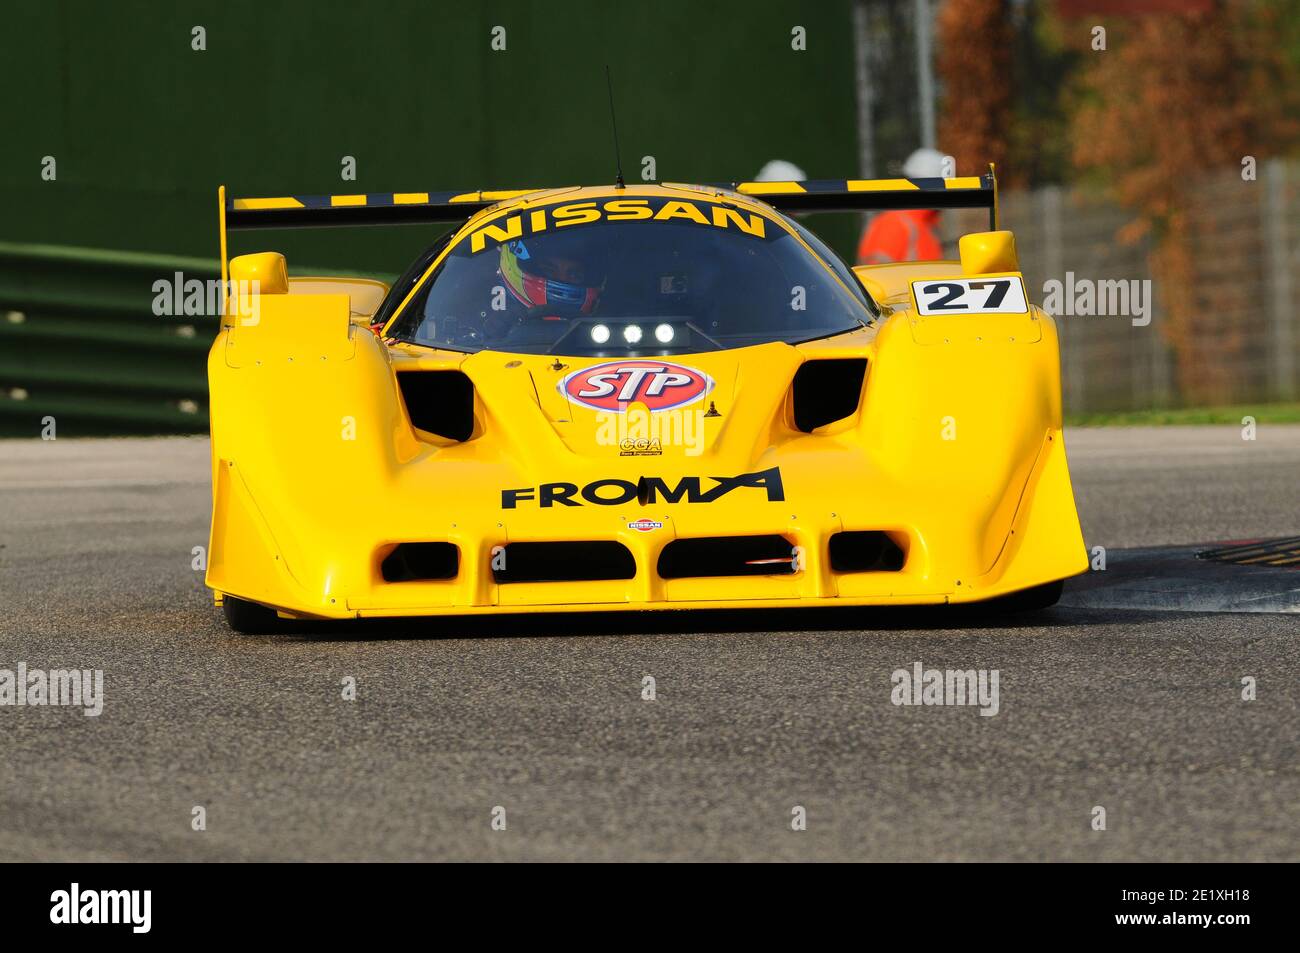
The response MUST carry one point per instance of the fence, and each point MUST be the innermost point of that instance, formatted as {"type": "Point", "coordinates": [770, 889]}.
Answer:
{"type": "Point", "coordinates": [1245, 250]}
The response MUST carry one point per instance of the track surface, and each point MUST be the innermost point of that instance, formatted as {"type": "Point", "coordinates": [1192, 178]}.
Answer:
{"type": "Point", "coordinates": [1135, 711]}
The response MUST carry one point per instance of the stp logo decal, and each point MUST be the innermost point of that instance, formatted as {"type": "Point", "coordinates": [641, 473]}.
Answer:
{"type": "Point", "coordinates": [644, 525]}
{"type": "Point", "coordinates": [660, 385]}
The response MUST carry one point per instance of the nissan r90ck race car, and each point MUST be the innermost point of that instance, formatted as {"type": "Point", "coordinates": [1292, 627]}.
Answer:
{"type": "Point", "coordinates": [633, 398]}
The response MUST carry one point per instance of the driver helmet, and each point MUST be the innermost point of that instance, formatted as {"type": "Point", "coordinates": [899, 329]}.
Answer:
{"type": "Point", "coordinates": [545, 277]}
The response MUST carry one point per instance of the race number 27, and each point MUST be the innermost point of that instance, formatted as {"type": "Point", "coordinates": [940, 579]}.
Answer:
{"type": "Point", "coordinates": [970, 296]}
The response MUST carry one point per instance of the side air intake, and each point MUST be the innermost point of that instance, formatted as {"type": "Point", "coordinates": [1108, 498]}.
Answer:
{"type": "Point", "coordinates": [441, 402]}
{"type": "Point", "coordinates": [826, 391]}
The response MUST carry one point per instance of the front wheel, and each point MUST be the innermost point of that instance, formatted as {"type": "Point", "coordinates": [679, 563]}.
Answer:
{"type": "Point", "coordinates": [1027, 600]}
{"type": "Point", "coordinates": [249, 618]}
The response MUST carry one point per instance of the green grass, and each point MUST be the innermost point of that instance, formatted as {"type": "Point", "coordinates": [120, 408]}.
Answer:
{"type": "Point", "coordinates": [1263, 414]}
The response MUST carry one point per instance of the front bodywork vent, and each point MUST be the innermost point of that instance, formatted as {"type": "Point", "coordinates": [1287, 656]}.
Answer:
{"type": "Point", "coordinates": [727, 556]}
{"type": "Point", "coordinates": [414, 562]}
{"type": "Point", "coordinates": [441, 402]}
{"type": "Point", "coordinates": [826, 391]}
{"type": "Point", "coordinates": [562, 562]}
{"type": "Point", "coordinates": [865, 551]}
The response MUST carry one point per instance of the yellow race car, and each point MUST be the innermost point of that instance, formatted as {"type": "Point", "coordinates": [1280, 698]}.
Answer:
{"type": "Point", "coordinates": [631, 398]}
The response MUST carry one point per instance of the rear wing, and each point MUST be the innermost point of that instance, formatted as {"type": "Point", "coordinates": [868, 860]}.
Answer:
{"type": "Point", "coordinates": [876, 195]}
{"type": "Point", "coordinates": [403, 208]}
{"type": "Point", "coordinates": [818, 195]}
{"type": "Point", "coordinates": [381, 208]}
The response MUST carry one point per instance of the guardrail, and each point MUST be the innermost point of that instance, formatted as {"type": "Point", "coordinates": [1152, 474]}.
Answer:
{"type": "Point", "coordinates": [81, 342]}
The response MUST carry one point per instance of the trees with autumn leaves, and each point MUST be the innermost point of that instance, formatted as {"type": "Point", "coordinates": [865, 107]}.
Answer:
{"type": "Point", "coordinates": [974, 67]}
{"type": "Point", "coordinates": [1163, 98]}
{"type": "Point", "coordinates": [1174, 97]}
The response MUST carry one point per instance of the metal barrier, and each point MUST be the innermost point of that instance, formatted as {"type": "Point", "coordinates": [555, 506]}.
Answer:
{"type": "Point", "coordinates": [82, 343]}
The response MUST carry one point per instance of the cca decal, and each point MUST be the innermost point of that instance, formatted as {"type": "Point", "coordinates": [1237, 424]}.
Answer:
{"type": "Point", "coordinates": [646, 490]}
{"type": "Point", "coordinates": [556, 217]}
{"type": "Point", "coordinates": [612, 386]}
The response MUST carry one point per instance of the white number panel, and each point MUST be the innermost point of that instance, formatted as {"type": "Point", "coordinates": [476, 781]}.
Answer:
{"type": "Point", "coordinates": [970, 296]}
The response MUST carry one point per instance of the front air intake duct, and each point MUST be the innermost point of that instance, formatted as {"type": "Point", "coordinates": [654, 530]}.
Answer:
{"type": "Point", "coordinates": [865, 551]}
{"type": "Point", "coordinates": [728, 556]}
{"type": "Point", "coordinates": [580, 561]}
{"type": "Point", "coordinates": [421, 562]}
{"type": "Point", "coordinates": [440, 402]}
{"type": "Point", "coordinates": [826, 391]}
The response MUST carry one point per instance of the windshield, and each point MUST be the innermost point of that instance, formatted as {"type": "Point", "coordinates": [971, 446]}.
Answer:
{"type": "Point", "coordinates": [626, 277]}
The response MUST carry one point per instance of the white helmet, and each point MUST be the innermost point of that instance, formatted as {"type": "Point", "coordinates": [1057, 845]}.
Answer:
{"type": "Point", "coordinates": [924, 164]}
{"type": "Point", "coordinates": [778, 170]}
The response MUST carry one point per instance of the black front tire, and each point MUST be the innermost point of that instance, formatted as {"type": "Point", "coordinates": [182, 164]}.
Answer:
{"type": "Point", "coordinates": [1028, 600]}
{"type": "Point", "coordinates": [249, 618]}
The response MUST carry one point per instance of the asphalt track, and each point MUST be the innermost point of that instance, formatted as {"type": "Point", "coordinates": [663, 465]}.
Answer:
{"type": "Point", "coordinates": [1133, 710]}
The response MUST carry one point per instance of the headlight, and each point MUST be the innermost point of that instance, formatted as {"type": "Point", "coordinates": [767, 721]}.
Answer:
{"type": "Point", "coordinates": [600, 334]}
{"type": "Point", "coordinates": [664, 333]}
{"type": "Point", "coordinates": [632, 334]}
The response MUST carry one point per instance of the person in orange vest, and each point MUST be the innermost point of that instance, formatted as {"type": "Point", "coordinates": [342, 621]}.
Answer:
{"type": "Point", "coordinates": [906, 234]}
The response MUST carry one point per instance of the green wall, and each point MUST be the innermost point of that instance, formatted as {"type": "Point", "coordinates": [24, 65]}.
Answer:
{"type": "Point", "coordinates": [144, 128]}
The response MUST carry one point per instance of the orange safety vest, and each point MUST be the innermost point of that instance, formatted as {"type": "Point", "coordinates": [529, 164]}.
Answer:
{"type": "Point", "coordinates": [908, 235]}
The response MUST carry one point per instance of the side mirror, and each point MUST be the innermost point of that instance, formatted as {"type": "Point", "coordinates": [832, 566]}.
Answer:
{"type": "Point", "coordinates": [988, 253]}
{"type": "Point", "coordinates": [267, 268]}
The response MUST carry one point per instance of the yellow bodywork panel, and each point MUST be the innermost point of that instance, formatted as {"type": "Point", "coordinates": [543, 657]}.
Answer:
{"type": "Point", "coordinates": [954, 451]}
{"type": "Point", "coordinates": [364, 294]}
